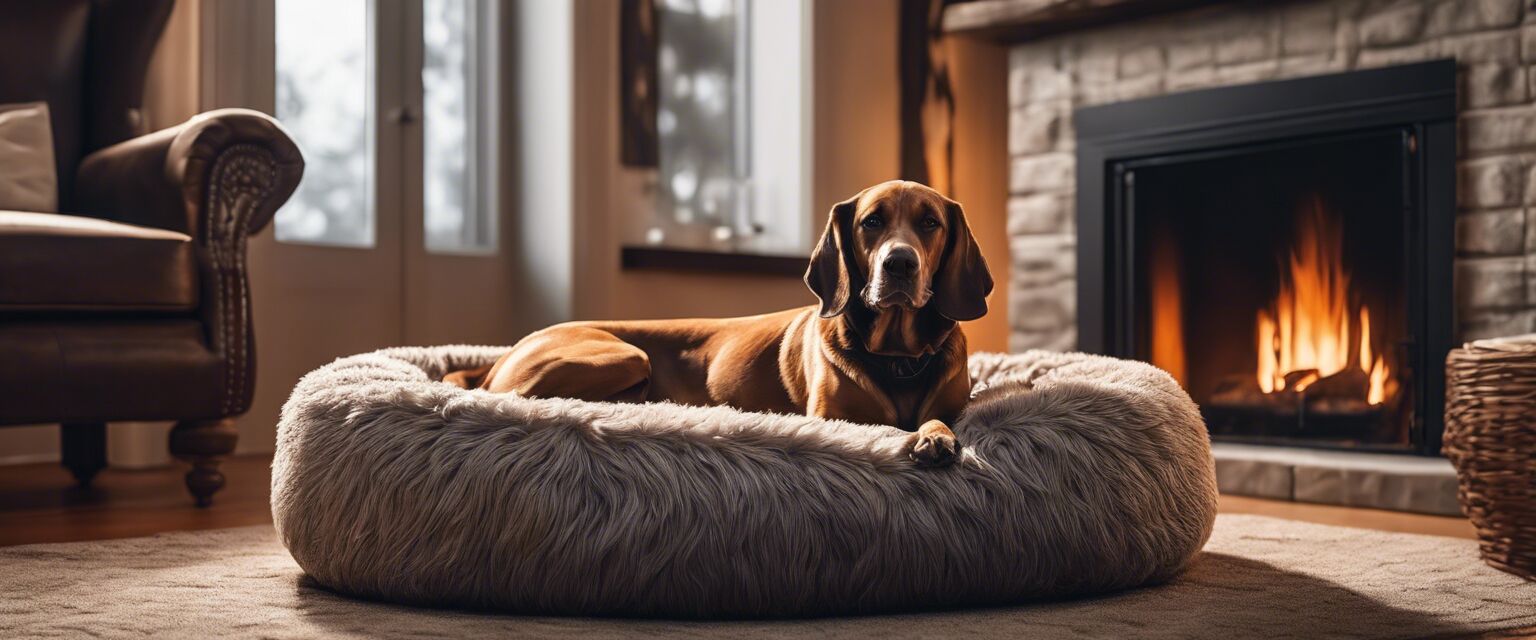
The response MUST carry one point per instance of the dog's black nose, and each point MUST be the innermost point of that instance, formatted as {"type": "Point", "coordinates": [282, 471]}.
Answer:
{"type": "Point", "coordinates": [901, 263]}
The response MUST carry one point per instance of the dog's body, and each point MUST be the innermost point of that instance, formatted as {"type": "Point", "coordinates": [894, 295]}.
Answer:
{"type": "Point", "coordinates": [886, 357]}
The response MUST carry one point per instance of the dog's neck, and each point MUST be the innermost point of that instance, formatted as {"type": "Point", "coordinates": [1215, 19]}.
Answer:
{"type": "Point", "coordinates": [899, 341]}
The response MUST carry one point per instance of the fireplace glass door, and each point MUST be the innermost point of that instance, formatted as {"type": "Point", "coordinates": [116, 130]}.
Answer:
{"type": "Point", "coordinates": [1271, 281]}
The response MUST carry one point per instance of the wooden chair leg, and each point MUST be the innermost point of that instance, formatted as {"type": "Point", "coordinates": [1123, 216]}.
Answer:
{"type": "Point", "coordinates": [204, 444]}
{"type": "Point", "coordinates": [84, 449]}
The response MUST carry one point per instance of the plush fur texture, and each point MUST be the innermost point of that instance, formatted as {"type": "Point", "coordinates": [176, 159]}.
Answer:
{"type": "Point", "coordinates": [1081, 474]}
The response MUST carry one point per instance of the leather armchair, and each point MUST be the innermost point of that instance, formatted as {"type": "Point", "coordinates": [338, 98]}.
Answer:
{"type": "Point", "coordinates": [133, 304]}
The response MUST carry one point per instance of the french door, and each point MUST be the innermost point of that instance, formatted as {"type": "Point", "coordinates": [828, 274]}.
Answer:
{"type": "Point", "coordinates": [395, 234]}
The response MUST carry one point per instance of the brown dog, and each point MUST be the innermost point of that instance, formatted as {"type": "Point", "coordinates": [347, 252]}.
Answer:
{"type": "Point", "coordinates": [895, 269]}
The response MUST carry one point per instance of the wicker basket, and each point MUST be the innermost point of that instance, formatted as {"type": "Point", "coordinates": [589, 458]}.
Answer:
{"type": "Point", "coordinates": [1490, 435]}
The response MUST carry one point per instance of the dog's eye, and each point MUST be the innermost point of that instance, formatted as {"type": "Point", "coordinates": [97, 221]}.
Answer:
{"type": "Point", "coordinates": [873, 222]}
{"type": "Point", "coordinates": [930, 223]}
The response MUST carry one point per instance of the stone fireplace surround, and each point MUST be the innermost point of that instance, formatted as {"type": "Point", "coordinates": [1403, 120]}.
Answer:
{"type": "Point", "coordinates": [1493, 41]}
{"type": "Point", "coordinates": [1494, 44]}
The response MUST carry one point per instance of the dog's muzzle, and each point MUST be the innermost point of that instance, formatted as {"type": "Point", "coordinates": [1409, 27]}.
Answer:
{"type": "Point", "coordinates": [897, 280]}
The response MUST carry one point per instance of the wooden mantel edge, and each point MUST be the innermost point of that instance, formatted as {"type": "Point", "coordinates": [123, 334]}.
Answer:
{"type": "Point", "coordinates": [1009, 21]}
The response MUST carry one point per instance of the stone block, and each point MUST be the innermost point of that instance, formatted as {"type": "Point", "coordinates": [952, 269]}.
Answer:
{"type": "Point", "coordinates": [1034, 75]}
{"type": "Point", "coordinates": [1388, 486]}
{"type": "Point", "coordinates": [1191, 79]}
{"type": "Point", "coordinates": [1530, 230]}
{"type": "Point", "coordinates": [1095, 67]}
{"type": "Point", "coordinates": [1502, 47]}
{"type": "Point", "coordinates": [1490, 283]}
{"type": "Point", "coordinates": [1310, 65]}
{"type": "Point", "coordinates": [1493, 85]}
{"type": "Point", "coordinates": [1461, 16]}
{"type": "Point", "coordinates": [1530, 283]}
{"type": "Point", "coordinates": [1307, 29]}
{"type": "Point", "coordinates": [1530, 185]}
{"type": "Point", "coordinates": [1050, 308]}
{"type": "Point", "coordinates": [1490, 182]}
{"type": "Point", "coordinates": [1018, 85]}
{"type": "Point", "coordinates": [1528, 42]}
{"type": "Point", "coordinates": [1393, 24]}
{"type": "Point", "coordinates": [1477, 324]}
{"type": "Point", "coordinates": [1248, 73]}
{"type": "Point", "coordinates": [1530, 77]}
{"type": "Point", "coordinates": [1350, 478]}
{"type": "Point", "coordinates": [1491, 233]}
{"type": "Point", "coordinates": [1041, 213]}
{"type": "Point", "coordinates": [1190, 55]}
{"type": "Point", "coordinates": [1042, 173]}
{"type": "Point", "coordinates": [1250, 43]}
{"type": "Point", "coordinates": [1042, 261]}
{"type": "Point", "coordinates": [1143, 87]}
{"type": "Point", "coordinates": [1419, 52]}
{"type": "Point", "coordinates": [1257, 478]}
{"type": "Point", "coordinates": [1140, 61]}
{"type": "Point", "coordinates": [1498, 129]}
{"type": "Point", "coordinates": [1035, 128]}
{"type": "Point", "coordinates": [1059, 340]}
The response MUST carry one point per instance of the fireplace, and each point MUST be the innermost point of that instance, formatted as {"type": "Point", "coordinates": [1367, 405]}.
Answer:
{"type": "Point", "coordinates": [1283, 249]}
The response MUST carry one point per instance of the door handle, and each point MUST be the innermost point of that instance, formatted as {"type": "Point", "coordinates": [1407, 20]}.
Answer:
{"type": "Point", "coordinates": [404, 115]}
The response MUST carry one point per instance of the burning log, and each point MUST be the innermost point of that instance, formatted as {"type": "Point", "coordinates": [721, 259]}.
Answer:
{"type": "Point", "coordinates": [1343, 393]}
{"type": "Point", "coordinates": [1298, 380]}
{"type": "Point", "coordinates": [1243, 392]}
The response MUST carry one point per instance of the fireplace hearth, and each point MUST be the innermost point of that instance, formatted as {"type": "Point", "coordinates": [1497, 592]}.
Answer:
{"type": "Point", "coordinates": [1283, 249]}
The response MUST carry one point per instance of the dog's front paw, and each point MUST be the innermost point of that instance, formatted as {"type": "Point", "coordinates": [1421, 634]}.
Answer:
{"type": "Point", "coordinates": [934, 447]}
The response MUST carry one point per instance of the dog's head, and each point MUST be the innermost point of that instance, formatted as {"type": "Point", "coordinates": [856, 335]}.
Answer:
{"type": "Point", "coordinates": [900, 244]}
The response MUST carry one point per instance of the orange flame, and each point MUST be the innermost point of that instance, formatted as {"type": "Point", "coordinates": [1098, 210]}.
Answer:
{"type": "Point", "coordinates": [1310, 325]}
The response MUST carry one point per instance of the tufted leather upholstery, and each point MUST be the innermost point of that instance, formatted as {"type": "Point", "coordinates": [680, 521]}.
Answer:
{"type": "Point", "coordinates": [132, 304]}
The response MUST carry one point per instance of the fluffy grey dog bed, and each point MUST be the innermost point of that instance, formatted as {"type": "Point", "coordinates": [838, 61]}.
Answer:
{"type": "Point", "coordinates": [1081, 474]}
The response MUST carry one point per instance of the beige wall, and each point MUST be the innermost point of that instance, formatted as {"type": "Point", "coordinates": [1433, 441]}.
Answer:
{"type": "Point", "coordinates": [171, 87]}
{"type": "Point", "coordinates": [980, 71]}
{"type": "Point", "coordinates": [857, 139]}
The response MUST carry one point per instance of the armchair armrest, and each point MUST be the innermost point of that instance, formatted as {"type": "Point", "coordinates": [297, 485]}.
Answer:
{"type": "Point", "coordinates": [225, 162]}
{"type": "Point", "coordinates": [219, 177]}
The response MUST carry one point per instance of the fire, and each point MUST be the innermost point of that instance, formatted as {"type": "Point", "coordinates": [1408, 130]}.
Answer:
{"type": "Point", "coordinates": [1167, 308]}
{"type": "Point", "coordinates": [1308, 330]}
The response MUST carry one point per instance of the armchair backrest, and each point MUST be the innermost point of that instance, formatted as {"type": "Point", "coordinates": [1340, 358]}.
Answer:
{"type": "Point", "coordinates": [85, 58]}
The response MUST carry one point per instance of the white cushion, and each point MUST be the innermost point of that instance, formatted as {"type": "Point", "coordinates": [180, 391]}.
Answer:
{"type": "Point", "coordinates": [27, 180]}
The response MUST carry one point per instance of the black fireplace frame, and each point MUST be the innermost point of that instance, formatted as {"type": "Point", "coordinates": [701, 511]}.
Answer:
{"type": "Point", "coordinates": [1418, 98]}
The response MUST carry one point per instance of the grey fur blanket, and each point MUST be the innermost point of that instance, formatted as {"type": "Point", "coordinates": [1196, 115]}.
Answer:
{"type": "Point", "coordinates": [1081, 474]}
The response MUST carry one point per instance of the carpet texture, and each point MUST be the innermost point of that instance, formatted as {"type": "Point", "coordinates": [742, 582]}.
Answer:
{"type": "Point", "coordinates": [1259, 577]}
{"type": "Point", "coordinates": [1081, 474]}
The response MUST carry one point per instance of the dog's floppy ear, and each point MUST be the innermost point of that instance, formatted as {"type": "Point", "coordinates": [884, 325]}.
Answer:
{"type": "Point", "coordinates": [828, 275]}
{"type": "Point", "coordinates": [962, 283]}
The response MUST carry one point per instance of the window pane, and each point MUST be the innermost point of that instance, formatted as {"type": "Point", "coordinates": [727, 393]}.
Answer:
{"type": "Point", "coordinates": [455, 53]}
{"type": "Point", "coordinates": [701, 124]}
{"type": "Point", "coordinates": [323, 97]}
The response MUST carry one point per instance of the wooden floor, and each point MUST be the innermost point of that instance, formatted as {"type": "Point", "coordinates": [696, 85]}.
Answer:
{"type": "Point", "coordinates": [37, 504]}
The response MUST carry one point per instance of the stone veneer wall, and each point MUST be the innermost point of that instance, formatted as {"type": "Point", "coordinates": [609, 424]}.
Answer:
{"type": "Point", "coordinates": [1494, 42]}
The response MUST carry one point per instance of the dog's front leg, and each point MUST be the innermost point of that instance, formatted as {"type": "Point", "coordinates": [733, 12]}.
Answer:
{"type": "Point", "coordinates": [933, 445]}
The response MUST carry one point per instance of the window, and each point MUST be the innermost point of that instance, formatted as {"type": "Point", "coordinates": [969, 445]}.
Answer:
{"type": "Point", "coordinates": [458, 169]}
{"type": "Point", "coordinates": [731, 126]}
{"type": "Point", "coordinates": [325, 98]}
{"type": "Point", "coordinates": [328, 64]}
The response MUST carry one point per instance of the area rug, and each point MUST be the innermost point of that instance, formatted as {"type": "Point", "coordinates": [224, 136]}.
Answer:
{"type": "Point", "coordinates": [1259, 577]}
